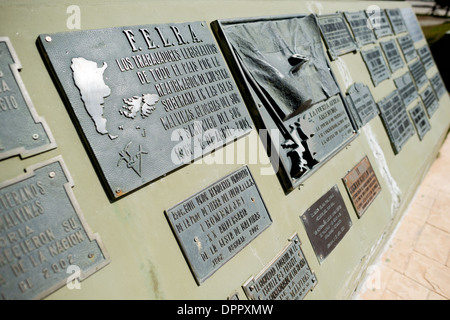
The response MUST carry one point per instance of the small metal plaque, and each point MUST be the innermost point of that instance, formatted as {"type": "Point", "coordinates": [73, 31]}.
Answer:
{"type": "Point", "coordinates": [336, 34]}
{"type": "Point", "coordinates": [406, 87]}
{"type": "Point", "coordinates": [419, 74]}
{"type": "Point", "coordinates": [362, 186]}
{"type": "Point", "coordinates": [412, 24]}
{"type": "Point", "coordinates": [397, 22]}
{"type": "Point", "coordinates": [326, 222]}
{"type": "Point", "coordinates": [361, 28]}
{"type": "Point", "coordinates": [376, 65]}
{"type": "Point", "coordinates": [286, 277]}
{"type": "Point", "coordinates": [148, 99]}
{"type": "Point", "coordinates": [438, 85]}
{"type": "Point", "coordinates": [43, 234]}
{"type": "Point", "coordinates": [392, 54]}
{"type": "Point", "coordinates": [420, 120]}
{"type": "Point", "coordinates": [425, 56]}
{"type": "Point", "coordinates": [218, 222]}
{"type": "Point", "coordinates": [396, 120]}
{"type": "Point", "coordinates": [22, 132]}
{"type": "Point", "coordinates": [380, 23]}
{"type": "Point", "coordinates": [407, 46]}
{"type": "Point", "coordinates": [430, 101]}
{"type": "Point", "coordinates": [361, 103]}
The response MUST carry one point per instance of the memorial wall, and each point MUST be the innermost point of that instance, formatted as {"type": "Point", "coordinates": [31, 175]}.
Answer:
{"type": "Point", "coordinates": [208, 149]}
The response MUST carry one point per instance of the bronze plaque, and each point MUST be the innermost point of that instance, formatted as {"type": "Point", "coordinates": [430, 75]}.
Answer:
{"type": "Point", "coordinates": [362, 186]}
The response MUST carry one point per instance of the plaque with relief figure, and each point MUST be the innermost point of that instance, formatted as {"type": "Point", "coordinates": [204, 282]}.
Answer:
{"type": "Point", "coordinates": [148, 99]}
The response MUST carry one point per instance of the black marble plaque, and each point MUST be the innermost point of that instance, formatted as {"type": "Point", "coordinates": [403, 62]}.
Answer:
{"type": "Point", "coordinates": [407, 46]}
{"type": "Point", "coordinates": [361, 28]}
{"type": "Point", "coordinates": [397, 22]}
{"type": "Point", "coordinates": [361, 103]}
{"type": "Point", "coordinates": [406, 87]}
{"type": "Point", "coordinates": [392, 54]}
{"type": "Point", "coordinates": [426, 57]}
{"type": "Point", "coordinates": [45, 243]}
{"type": "Point", "coordinates": [326, 222]}
{"type": "Point", "coordinates": [379, 21]}
{"type": "Point", "coordinates": [419, 74]}
{"type": "Point", "coordinates": [420, 120]}
{"type": "Point", "coordinates": [376, 65]}
{"type": "Point", "coordinates": [22, 131]}
{"type": "Point", "coordinates": [216, 223]}
{"type": "Point", "coordinates": [438, 85]}
{"type": "Point", "coordinates": [287, 277]}
{"type": "Point", "coordinates": [430, 100]}
{"type": "Point", "coordinates": [148, 99]}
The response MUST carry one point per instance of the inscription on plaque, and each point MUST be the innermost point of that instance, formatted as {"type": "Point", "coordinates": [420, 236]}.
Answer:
{"type": "Point", "coordinates": [406, 87]}
{"type": "Point", "coordinates": [362, 186]}
{"type": "Point", "coordinates": [326, 222]}
{"type": "Point", "coordinates": [419, 74]}
{"type": "Point", "coordinates": [407, 46]}
{"type": "Point", "coordinates": [438, 85]}
{"type": "Point", "coordinates": [420, 120]}
{"type": "Point", "coordinates": [43, 235]}
{"type": "Point", "coordinates": [376, 65]}
{"type": "Point", "coordinates": [336, 34]}
{"type": "Point", "coordinates": [380, 23]}
{"type": "Point", "coordinates": [426, 57]}
{"type": "Point", "coordinates": [287, 277]}
{"type": "Point", "coordinates": [412, 24]}
{"type": "Point", "coordinates": [429, 100]}
{"type": "Point", "coordinates": [22, 132]}
{"type": "Point", "coordinates": [361, 103]}
{"type": "Point", "coordinates": [392, 54]}
{"type": "Point", "coordinates": [360, 28]}
{"type": "Point", "coordinates": [397, 22]}
{"type": "Point", "coordinates": [218, 222]}
{"type": "Point", "coordinates": [396, 120]}
{"type": "Point", "coordinates": [148, 98]}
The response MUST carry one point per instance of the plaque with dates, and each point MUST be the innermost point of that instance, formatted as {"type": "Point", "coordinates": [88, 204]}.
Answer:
{"type": "Point", "coordinates": [406, 87]}
{"type": "Point", "coordinates": [420, 120]}
{"type": "Point", "coordinates": [22, 132]}
{"type": "Point", "coordinates": [216, 223]}
{"type": "Point", "coordinates": [419, 74]}
{"type": "Point", "coordinates": [407, 46]}
{"type": "Point", "coordinates": [380, 23]}
{"type": "Point", "coordinates": [43, 234]}
{"type": "Point", "coordinates": [438, 85]}
{"type": "Point", "coordinates": [397, 22]}
{"type": "Point", "coordinates": [426, 57]}
{"type": "Point", "coordinates": [362, 186]}
{"type": "Point", "coordinates": [361, 103]}
{"type": "Point", "coordinates": [287, 277]}
{"type": "Point", "coordinates": [360, 28]}
{"type": "Point", "coordinates": [336, 34]}
{"type": "Point", "coordinates": [430, 101]}
{"type": "Point", "coordinates": [392, 54]}
{"type": "Point", "coordinates": [326, 222]}
{"type": "Point", "coordinates": [148, 99]}
{"type": "Point", "coordinates": [376, 65]}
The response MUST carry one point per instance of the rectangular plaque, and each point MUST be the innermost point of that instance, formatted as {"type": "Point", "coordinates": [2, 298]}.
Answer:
{"type": "Point", "coordinates": [376, 65]}
{"type": "Point", "coordinates": [426, 57]}
{"type": "Point", "coordinates": [406, 87]}
{"type": "Point", "coordinates": [438, 85]}
{"type": "Point", "coordinates": [148, 98]}
{"type": "Point", "coordinates": [407, 46]}
{"type": "Point", "coordinates": [326, 222]}
{"type": "Point", "coordinates": [392, 54]}
{"type": "Point", "coordinates": [412, 24]}
{"type": "Point", "coordinates": [430, 101]}
{"type": "Point", "coordinates": [43, 234]}
{"type": "Point", "coordinates": [361, 103]}
{"type": "Point", "coordinates": [362, 186]}
{"type": "Point", "coordinates": [396, 120]}
{"type": "Point", "coordinates": [286, 277]}
{"type": "Point", "coordinates": [361, 28]}
{"type": "Point", "coordinates": [336, 34]}
{"type": "Point", "coordinates": [216, 223]}
{"type": "Point", "coordinates": [419, 74]}
{"type": "Point", "coordinates": [22, 132]}
{"type": "Point", "coordinates": [397, 22]}
{"type": "Point", "coordinates": [380, 22]}
{"type": "Point", "coordinates": [420, 120]}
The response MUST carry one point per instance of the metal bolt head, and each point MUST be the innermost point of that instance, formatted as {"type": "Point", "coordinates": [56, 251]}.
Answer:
{"type": "Point", "coordinates": [52, 174]}
{"type": "Point", "coordinates": [35, 136]}
{"type": "Point", "coordinates": [48, 39]}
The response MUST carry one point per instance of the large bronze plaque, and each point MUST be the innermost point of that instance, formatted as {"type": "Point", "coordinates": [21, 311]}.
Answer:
{"type": "Point", "coordinates": [326, 222]}
{"type": "Point", "coordinates": [287, 277]}
{"type": "Point", "coordinates": [216, 223]}
{"type": "Point", "coordinates": [362, 186]}
{"type": "Point", "coordinates": [22, 131]}
{"type": "Point", "coordinates": [148, 98]}
{"type": "Point", "coordinates": [44, 237]}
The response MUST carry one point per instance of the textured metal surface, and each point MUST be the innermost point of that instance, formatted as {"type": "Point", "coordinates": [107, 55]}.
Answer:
{"type": "Point", "coordinates": [43, 235]}
{"type": "Point", "coordinates": [216, 223]}
{"type": "Point", "coordinates": [22, 131]}
{"type": "Point", "coordinates": [406, 87]}
{"type": "Point", "coordinates": [360, 27]}
{"type": "Point", "coordinates": [286, 277]}
{"type": "Point", "coordinates": [361, 104]}
{"type": "Point", "coordinates": [392, 54]}
{"type": "Point", "coordinates": [397, 22]}
{"type": "Point", "coordinates": [407, 45]}
{"type": "Point", "coordinates": [420, 120]}
{"type": "Point", "coordinates": [148, 99]}
{"type": "Point", "coordinates": [430, 100]}
{"type": "Point", "coordinates": [376, 65]}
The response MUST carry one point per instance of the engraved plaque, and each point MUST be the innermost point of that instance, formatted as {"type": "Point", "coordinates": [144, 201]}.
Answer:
{"type": "Point", "coordinates": [426, 57]}
{"type": "Point", "coordinates": [407, 46]}
{"type": "Point", "coordinates": [362, 186]}
{"type": "Point", "coordinates": [376, 65]}
{"type": "Point", "coordinates": [438, 85]}
{"type": "Point", "coordinates": [360, 27]}
{"type": "Point", "coordinates": [361, 104]}
{"type": "Point", "coordinates": [148, 99]}
{"type": "Point", "coordinates": [419, 74]}
{"type": "Point", "coordinates": [420, 120]}
{"type": "Point", "coordinates": [326, 222]}
{"type": "Point", "coordinates": [336, 34]}
{"type": "Point", "coordinates": [22, 132]}
{"type": "Point", "coordinates": [407, 89]}
{"type": "Point", "coordinates": [216, 223]}
{"type": "Point", "coordinates": [380, 23]}
{"type": "Point", "coordinates": [429, 100]}
{"type": "Point", "coordinates": [396, 120]}
{"type": "Point", "coordinates": [412, 25]}
{"type": "Point", "coordinates": [43, 234]}
{"type": "Point", "coordinates": [397, 22]}
{"type": "Point", "coordinates": [392, 54]}
{"type": "Point", "coordinates": [286, 277]}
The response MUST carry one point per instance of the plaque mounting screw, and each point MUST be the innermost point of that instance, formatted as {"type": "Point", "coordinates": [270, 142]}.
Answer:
{"type": "Point", "coordinates": [52, 174]}
{"type": "Point", "coordinates": [90, 255]}
{"type": "Point", "coordinates": [48, 39]}
{"type": "Point", "coordinates": [35, 136]}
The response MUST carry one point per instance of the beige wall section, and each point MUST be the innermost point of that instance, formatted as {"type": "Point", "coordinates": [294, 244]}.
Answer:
{"type": "Point", "coordinates": [146, 261]}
